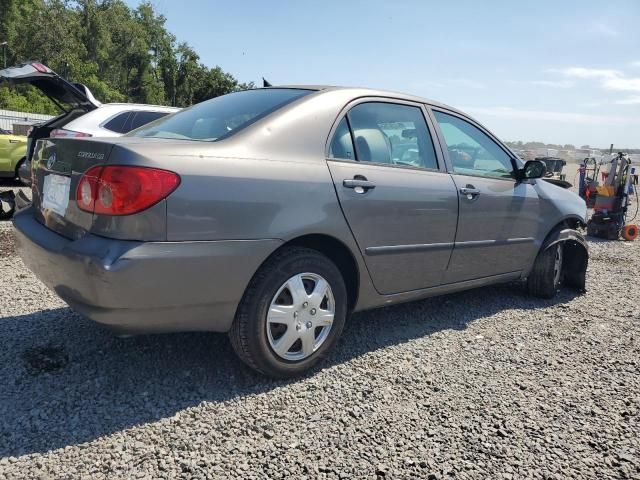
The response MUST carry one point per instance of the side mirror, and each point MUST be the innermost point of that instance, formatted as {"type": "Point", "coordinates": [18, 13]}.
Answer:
{"type": "Point", "coordinates": [532, 169]}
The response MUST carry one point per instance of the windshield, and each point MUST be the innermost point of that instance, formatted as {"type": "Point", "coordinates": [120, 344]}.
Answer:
{"type": "Point", "coordinates": [221, 116]}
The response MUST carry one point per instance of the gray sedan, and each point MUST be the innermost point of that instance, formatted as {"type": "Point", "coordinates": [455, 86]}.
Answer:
{"type": "Point", "coordinates": [272, 214]}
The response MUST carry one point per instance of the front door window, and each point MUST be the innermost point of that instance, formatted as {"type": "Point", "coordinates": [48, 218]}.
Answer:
{"type": "Point", "coordinates": [473, 152]}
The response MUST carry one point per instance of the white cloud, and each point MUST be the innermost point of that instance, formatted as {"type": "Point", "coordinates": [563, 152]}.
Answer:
{"type": "Point", "coordinates": [553, 84]}
{"type": "Point", "coordinates": [635, 100]}
{"type": "Point", "coordinates": [610, 79]}
{"type": "Point", "coordinates": [580, 72]}
{"type": "Point", "coordinates": [624, 84]}
{"type": "Point", "coordinates": [551, 116]}
{"type": "Point", "coordinates": [635, 64]}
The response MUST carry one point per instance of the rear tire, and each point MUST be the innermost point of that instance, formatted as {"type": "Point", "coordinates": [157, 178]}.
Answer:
{"type": "Point", "coordinates": [282, 331]}
{"type": "Point", "coordinates": [18, 165]}
{"type": "Point", "coordinates": [546, 276]}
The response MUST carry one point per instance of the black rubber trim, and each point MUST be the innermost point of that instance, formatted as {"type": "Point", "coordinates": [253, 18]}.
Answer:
{"type": "Point", "coordinates": [423, 247]}
{"type": "Point", "coordinates": [494, 243]}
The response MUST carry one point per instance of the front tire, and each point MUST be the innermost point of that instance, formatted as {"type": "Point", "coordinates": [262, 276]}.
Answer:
{"type": "Point", "coordinates": [547, 274]}
{"type": "Point", "coordinates": [292, 313]}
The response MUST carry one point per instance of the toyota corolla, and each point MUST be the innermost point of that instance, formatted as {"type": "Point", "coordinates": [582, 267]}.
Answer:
{"type": "Point", "coordinates": [273, 214]}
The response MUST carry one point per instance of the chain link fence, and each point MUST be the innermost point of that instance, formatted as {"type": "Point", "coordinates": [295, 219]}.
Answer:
{"type": "Point", "coordinates": [19, 122]}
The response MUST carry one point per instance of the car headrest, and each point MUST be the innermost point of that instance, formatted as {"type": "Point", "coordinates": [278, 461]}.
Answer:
{"type": "Point", "coordinates": [373, 145]}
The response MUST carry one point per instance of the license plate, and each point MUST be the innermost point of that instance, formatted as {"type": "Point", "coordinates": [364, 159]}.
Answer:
{"type": "Point", "coordinates": [55, 193]}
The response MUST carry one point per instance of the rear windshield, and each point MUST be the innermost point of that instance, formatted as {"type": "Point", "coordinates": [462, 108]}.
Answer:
{"type": "Point", "coordinates": [220, 117]}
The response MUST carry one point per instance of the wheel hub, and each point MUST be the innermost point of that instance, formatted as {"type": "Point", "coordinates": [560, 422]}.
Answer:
{"type": "Point", "coordinates": [300, 316]}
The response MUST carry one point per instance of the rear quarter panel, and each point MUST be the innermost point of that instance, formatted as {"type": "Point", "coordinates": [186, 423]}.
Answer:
{"type": "Point", "coordinates": [251, 199]}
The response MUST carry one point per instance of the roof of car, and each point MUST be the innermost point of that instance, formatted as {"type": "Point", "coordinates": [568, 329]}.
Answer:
{"type": "Point", "coordinates": [374, 92]}
{"type": "Point", "coordinates": [140, 106]}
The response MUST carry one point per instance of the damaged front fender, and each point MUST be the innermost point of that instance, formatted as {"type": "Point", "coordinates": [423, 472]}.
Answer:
{"type": "Point", "coordinates": [575, 256]}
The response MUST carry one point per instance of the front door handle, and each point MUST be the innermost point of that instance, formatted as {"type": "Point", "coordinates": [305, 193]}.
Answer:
{"type": "Point", "coordinates": [470, 192]}
{"type": "Point", "coordinates": [359, 183]}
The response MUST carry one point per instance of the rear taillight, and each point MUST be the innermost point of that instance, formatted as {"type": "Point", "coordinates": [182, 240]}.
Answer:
{"type": "Point", "coordinates": [62, 133]}
{"type": "Point", "coordinates": [41, 68]}
{"type": "Point", "coordinates": [123, 190]}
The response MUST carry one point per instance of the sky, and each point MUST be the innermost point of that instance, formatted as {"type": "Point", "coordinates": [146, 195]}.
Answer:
{"type": "Point", "coordinates": [553, 71]}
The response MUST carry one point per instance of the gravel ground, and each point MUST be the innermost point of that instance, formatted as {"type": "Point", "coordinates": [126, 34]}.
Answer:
{"type": "Point", "coordinates": [482, 384]}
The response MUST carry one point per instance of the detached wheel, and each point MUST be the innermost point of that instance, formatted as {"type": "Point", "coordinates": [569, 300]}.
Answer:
{"type": "Point", "coordinates": [292, 313]}
{"type": "Point", "coordinates": [546, 276]}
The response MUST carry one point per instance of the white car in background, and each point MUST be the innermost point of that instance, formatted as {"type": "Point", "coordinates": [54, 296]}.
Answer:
{"type": "Point", "coordinates": [112, 120]}
{"type": "Point", "coordinates": [83, 115]}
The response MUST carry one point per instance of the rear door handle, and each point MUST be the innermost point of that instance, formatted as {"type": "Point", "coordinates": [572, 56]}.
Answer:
{"type": "Point", "coordinates": [360, 185]}
{"type": "Point", "coordinates": [470, 192]}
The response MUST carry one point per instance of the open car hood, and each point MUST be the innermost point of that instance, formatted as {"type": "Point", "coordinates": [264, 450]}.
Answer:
{"type": "Point", "coordinates": [51, 84]}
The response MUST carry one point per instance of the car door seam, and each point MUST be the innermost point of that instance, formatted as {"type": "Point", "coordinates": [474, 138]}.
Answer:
{"type": "Point", "coordinates": [346, 221]}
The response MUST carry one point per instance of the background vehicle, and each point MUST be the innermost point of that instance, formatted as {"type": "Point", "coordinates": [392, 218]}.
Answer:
{"type": "Point", "coordinates": [12, 150]}
{"type": "Point", "coordinates": [554, 167]}
{"type": "Point", "coordinates": [288, 209]}
{"type": "Point", "coordinates": [83, 115]}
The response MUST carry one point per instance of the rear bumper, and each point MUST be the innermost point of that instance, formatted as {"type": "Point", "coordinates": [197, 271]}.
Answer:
{"type": "Point", "coordinates": [143, 287]}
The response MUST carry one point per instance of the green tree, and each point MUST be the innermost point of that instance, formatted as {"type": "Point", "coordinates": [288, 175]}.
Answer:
{"type": "Point", "coordinates": [121, 54]}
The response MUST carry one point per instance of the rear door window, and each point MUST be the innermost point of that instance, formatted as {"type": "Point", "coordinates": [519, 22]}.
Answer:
{"type": "Point", "coordinates": [391, 133]}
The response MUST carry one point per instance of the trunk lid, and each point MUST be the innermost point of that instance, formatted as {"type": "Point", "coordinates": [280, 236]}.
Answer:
{"type": "Point", "coordinates": [58, 166]}
{"type": "Point", "coordinates": [73, 99]}
{"type": "Point", "coordinates": [59, 90]}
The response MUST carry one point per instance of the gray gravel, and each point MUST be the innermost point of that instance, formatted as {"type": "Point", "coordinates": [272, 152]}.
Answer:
{"type": "Point", "coordinates": [483, 384]}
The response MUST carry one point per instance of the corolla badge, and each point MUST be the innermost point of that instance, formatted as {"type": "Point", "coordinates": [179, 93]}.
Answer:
{"type": "Point", "coordinates": [51, 161]}
{"type": "Point", "coordinates": [91, 155]}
